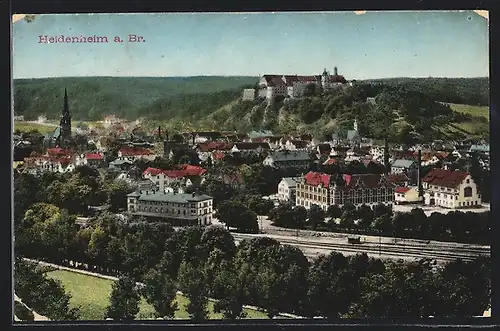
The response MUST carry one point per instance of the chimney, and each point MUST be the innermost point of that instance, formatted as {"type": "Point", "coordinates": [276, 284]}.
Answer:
{"type": "Point", "coordinates": [335, 71]}
{"type": "Point", "coordinates": [161, 183]}
{"type": "Point", "coordinates": [419, 178]}
{"type": "Point", "coordinates": [386, 155]}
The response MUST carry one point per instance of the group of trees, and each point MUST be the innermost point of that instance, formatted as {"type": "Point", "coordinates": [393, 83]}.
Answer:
{"type": "Point", "coordinates": [44, 295]}
{"type": "Point", "coordinates": [74, 192]}
{"type": "Point", "coordinates": [205, 263]}
{"type": "Point", "coordinates": [456, 226]}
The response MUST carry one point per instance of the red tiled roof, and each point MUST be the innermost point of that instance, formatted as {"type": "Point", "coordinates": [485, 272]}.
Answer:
{"type": "Point", "coordinates": [445, 178]}
{"type": "Point", "coordinates": [316, 178]}
{"type": "Point", "coordinates": [337, 79]}
{"type": "Point", "coordinates": [402, 189]}
{"type": "Point", "coordinates": [367, 180]}
{"type": "Point", "coordinates": [133, 151]}
{"type": "Point", "coordinates": [58, 151]}
{"type": "Point", "coordinates": [153, 171]}
{"type": "Point", "coordinates": [94, 156]}
{"type": "Point", "coordinates": [397, 178]}
{"type": "Point", "coordinates": [214, 146]}
{"type": "Point", "coordinates": [218, 155]}
{"type": "Point", "coordinates": [330, 161]}
{"type": "Point", "coordinates": [182, 171]}
{"type": "Point", "coordinates": [306, 79]}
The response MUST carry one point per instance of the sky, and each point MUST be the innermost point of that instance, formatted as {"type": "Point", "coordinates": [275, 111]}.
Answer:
{"type": "Point", "coordinates": [372, 45]}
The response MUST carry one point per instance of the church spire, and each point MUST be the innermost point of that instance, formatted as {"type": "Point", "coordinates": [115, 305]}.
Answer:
{"type": "Point", "coordinates": [66, 107]}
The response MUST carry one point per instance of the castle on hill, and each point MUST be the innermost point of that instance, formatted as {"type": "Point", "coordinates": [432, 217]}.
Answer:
{"type": "Point", "coordinates": [294, 86]}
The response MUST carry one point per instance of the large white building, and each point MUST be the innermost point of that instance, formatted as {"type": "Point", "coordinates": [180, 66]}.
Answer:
{"type": "Point", "coordinates": [294, 86]}
{"type": "Point", "coordinates": [287, 188]}
{"type": "Point", "coordinates": [177, 208]}
{"type": "Point", "coordinates": [450, 189]}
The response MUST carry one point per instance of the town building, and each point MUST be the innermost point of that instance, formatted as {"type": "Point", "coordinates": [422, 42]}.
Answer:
{"type": "Point", "coordinates": [450, 189]}
{"type": "Point", "coordinates": [298, 160]}
{"type": "Point", "coordinates": [287, 188]}
{"type": "Point", "coordinates": [180, 209]}
{"type": "Point", "coordinates": [325, 190]}
{"type": "Point", "coordinates": [135, 153]}
{"type": "Point", "coordinates": [248, 148]}
{"type": "Point", "coordinates": [91, 159]}
{"type": "Point", "coordinates": [406, 195]}
{"type": "Point", "coordinates": [186, 175]}
{"type": "Point", "coordinates": [403, 166]}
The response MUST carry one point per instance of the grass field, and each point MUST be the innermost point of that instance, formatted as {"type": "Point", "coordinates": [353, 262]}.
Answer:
{"type": "Point", "coordinates": [481, 111]}
{"type": "Point", "coordinates": [26, 127]}
{"type": "Point", "coordinates": [91, 294]}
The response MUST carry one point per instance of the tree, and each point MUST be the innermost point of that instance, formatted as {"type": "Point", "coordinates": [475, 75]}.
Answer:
{"type": "Point", "coordinates": [334, 211]}
{"type": "Point", "coordinates": [229, 289]}
{"type": "Point", "coordinates": [124, 300]}
{"type": "Point", "coordinates": [117, 195]}
{"type": "Point", "coordinates": [192, 283]}
{"type": "Point", "coordinates": [235, 214]}
{"type": "Point", "coordinates": [216, 237]}
{"type": "Point", "coordinates": [160, 291]}
{"type": "Point", "coordinates": [316, 216]}
{"type": "Point", "coordinates": [286, 215]}
{"type": "Point", "coordinates": [365, 213]}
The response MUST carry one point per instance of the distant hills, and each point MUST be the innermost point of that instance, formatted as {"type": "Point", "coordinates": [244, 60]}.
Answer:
{"type": "Point", "coordinates": [434, 107]}
{"type": "Point", "coordinates": [92, 97]}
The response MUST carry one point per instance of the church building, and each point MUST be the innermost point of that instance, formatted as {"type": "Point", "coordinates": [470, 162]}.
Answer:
{"type": "Point", "coordinates": [61, 137]}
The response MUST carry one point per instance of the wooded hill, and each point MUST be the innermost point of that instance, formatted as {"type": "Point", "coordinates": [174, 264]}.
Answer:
{"type": "Point", "coordinates": [407, 108]}
{"type": "Point", "coordinates": [127, 97]}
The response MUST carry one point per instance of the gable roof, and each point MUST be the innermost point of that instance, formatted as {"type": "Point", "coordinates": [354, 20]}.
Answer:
{"type": "Point", "coordinates": [317, 178]}
{"type": "Point", "coordinates": [401, 163]}
{"type": "Point", "coordinates": [251, 146]}
{"type": "Point", "coordinates": [445, 178]}
{"type": "Point", "coordinates": [291, 181]}
{"type": "Point", "coordinates": [289, 156]}
{"type": "Point", "coordinates": [402, 189]}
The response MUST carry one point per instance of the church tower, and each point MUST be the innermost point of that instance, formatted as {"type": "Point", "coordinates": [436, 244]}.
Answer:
{"type": "Point", "coordinates": [355, 126]}
{"type": "Point", "coordinates": [65, 122]}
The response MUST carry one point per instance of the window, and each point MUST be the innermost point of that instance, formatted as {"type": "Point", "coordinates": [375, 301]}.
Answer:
{"type": "Point", "coordinates": [467, 181]}
{"type": "Point", "coordinates": [468, 191]}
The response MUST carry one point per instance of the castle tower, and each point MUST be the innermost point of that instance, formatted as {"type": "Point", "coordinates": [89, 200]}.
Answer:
{"type": "Point", "coordinates": [335, 71]}
{"type": "Point", "coordinates": [324, 79]}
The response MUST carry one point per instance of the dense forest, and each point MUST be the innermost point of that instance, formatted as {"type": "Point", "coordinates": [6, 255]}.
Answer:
{"type": "Point", "coordinates": [405, 108]}
{"type": "Point", "coordinates": [469, 91]}
{"type": "Point", "coordinates": [128, 97]}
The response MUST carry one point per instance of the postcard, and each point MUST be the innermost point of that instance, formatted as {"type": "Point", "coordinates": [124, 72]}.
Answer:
{"type": "Point", "coordinates": [195, 166]}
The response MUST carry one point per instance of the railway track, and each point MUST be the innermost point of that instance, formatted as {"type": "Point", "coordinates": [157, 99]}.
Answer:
{"type": "Point", "coordinates": [438, 252]}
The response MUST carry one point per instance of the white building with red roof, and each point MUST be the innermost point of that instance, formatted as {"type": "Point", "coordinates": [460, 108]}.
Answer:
{"type": "Point", "coordinates": [406, 194]}
{"type": "Point", "coordinates": [450, 189]}
{"type": "Point", "coordinates": [135, 153]}
{"type": "Point", "coordinates": [90, 159]}
{"type": "Point", "coordinates": [185, 174]}
{"type": "Point", "coordinates": [55, 160]}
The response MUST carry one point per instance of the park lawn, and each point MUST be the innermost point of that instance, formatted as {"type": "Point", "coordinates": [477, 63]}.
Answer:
{"type": "Point", "coordinates": [91, 294]}
{"type": "Point", "coordinates": [27, 127]}
{"type": "Point", "coordinates": [481, 111]}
